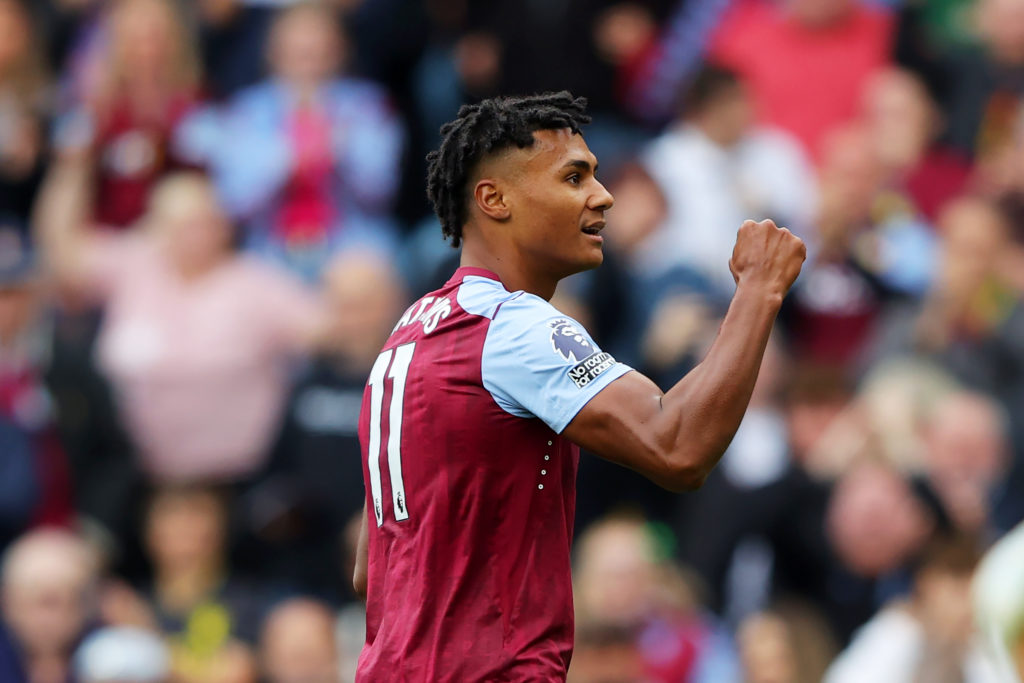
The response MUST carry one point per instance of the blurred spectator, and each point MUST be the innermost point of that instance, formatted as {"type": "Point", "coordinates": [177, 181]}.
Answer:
{"type": "Point", "coordinates": [307, 160]}
{"type": "Point", "coordinates": [787, 644]}
{"type": "Point", "coordinates": [36, 477]}
{"type": "Point", "coordinates": [606, 654]}
{"type": "Point", "coordinates": [833, 307]}
{"type": "Point", "coordinates": [318, 464]}
{"type": "Point", "coordinates": [298, 644]}
{"type": "Point", "coordinates": [999, 603]}
{"type": "Point", "coordinates": [874, 520]}
{"type": "Point", "coordinates": [657, 68]}
{"type": "Point", "coordinates": [716, 170]}
{"type": "Point", "coordinates": [969, 319]}
{"type": "Point", "coordinates": [986, 85]}
{"type": "Point", "coordinates": [870, 247]}
{"type": "Point", "coordinates": [939, 26]}
{"type": "Point", "coordinates": [209, 617]}
{"type": "Point", "coordinates": [822, 53]}
{"type": "Point", "coordinates": [970, 322]}
{"type": "Point", "coordinates": [966, 459]}
{"type": "Point", "coordinates": [122, 655]}
{"type": "Point", "coordinates": [25, 98]}
{"type": "Point", "coordinates": [815, 398]}
{"type": "Point", "coordinates": [887, 419]}
{"type": "Point", "coordinates": [196, 337]}
{"type": "Point", "coordinates": [535, 47]}
{"type": "Point", "coordinates": [904, 123]}
{"type": "Point", "coordinates": [1001, 170]}
{"type": "Point", "coordinates": [624, 584]}
{"type": "Point", "coordinates": [624, 34]}
{"type": "Point", "coordinates": [231, 38]}
{"type": "Point", "coordinates": [876, 523]}
{"type": "Point", "coordinates": [48, 587]}
{"type": "Point", "coordinates": [765, 508]}
{"type": "Point", "coordinates": [930, 637]}
{"type": "Point", "coordinates": [138, 77]}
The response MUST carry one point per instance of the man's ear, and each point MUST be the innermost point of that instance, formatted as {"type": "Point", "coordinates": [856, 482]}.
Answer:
{"type": "Point", "coordinates": [491, 200]}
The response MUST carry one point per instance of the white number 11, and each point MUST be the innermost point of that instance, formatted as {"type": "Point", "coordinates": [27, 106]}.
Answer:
{"type": "Point", "coordinates": [399, 372]}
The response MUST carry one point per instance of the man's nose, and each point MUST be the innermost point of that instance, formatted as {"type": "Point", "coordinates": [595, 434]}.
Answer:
{"type": "Point", "coordinates": [602, 200]}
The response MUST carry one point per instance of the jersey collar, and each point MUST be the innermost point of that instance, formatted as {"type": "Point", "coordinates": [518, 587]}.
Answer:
{"type": "Point", "coordinates": [465, 271]}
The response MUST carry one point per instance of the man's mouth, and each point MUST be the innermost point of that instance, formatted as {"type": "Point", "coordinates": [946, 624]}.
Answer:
{"type": "Point", "coordinates": [593, 228]}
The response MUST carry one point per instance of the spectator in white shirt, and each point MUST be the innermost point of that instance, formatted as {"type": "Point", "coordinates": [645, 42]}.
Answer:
{"type": "Point", "coordinates": [928, 637]}
{"type": "Point", "coordinates": [716, 170]}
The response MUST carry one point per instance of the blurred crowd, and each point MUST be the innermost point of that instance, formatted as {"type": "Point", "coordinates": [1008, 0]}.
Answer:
{"type": "Point", "coordinates": [213, 211]}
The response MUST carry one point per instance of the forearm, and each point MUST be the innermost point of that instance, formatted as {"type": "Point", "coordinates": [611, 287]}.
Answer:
{"type": "Point", "coordinates": [676, 438]}
{"type": "Point", "coordinates": [700, 414]}
{"type": "Point", "coordinates": [61, 214]}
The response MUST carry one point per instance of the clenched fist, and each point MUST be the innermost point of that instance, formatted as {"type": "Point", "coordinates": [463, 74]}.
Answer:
{"type": "Point", "coordinates": [767, 256]}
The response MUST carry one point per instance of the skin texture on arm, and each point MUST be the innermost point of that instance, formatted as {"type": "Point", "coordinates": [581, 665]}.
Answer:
{"type": "Point", "coordinates": [676, 438]}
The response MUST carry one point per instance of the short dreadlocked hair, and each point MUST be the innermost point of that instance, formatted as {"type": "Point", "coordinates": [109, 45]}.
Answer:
{"type": "Point", "coordinates": [485, 128]}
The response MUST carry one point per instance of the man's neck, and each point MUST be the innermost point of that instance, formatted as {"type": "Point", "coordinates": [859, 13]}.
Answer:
{"type": "Point", "coordinates": [511, 270]}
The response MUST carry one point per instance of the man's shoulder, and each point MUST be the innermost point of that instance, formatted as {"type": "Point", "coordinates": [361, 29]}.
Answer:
{"type": "Point", "coordinates": [485, 297]}
{"type": "Point", "coordinates": [471, 295]}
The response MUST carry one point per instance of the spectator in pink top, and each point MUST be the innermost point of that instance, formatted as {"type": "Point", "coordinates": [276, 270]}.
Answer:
{"type": "Point", "coordinates": [196, 337]}
{"type": "Point", "coordinates": [806, 61]}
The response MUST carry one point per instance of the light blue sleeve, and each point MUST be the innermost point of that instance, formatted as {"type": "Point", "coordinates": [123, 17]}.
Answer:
{"type": "Point", "coordinates": [539, 363]}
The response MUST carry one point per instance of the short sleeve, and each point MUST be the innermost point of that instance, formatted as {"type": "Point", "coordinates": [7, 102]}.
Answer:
{"type": "Point", "coordinates": [539, 363]}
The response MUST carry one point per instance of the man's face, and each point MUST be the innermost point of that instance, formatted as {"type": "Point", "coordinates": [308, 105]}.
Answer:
{"type": "Point", "coordinates": [557, 204]}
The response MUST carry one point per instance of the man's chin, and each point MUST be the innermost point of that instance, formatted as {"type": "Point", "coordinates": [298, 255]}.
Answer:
{"type": "Point", "coordinates": [591, 261]}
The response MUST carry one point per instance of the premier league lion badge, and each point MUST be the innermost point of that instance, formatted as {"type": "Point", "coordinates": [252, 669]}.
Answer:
{"type": "Point", "coordinates": [569, 342]}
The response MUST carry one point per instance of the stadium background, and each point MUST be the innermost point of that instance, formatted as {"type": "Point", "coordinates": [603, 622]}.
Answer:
{"type": "Point", "coordinates": [178, 399]}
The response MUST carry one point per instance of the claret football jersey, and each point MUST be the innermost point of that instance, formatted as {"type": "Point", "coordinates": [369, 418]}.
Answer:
{"type": "Point", "coordinates": [470, 487]}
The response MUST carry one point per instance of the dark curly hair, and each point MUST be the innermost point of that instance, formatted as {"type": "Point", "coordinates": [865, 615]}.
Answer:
{"type": "Point", "coordinates": [485, 128]}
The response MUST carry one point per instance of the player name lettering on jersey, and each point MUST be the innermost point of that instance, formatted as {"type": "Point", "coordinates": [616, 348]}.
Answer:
{"type": "Point", "coordinates": [429, 310]}
{"type": "Point", "coordinates": [584, 372]}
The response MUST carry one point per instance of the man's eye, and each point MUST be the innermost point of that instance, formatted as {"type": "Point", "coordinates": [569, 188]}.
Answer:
{"type": "Point", "coordinates": [574, 179]}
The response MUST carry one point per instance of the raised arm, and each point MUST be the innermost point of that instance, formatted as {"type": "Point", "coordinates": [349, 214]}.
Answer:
{"type": "Point", "coordinates": [676, 438]}
{"type": "Point", "coordinates": [60, 219]}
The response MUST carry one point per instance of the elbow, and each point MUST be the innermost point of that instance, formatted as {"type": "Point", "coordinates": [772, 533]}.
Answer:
{"type": "Point", "coordinates": [359, 582]}
{"type": "Point", "coordinates": [689, 472]}
{"type": "Point", "coordinates": [684, 479]}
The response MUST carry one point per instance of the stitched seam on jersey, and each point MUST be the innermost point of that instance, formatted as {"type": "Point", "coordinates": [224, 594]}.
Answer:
{"type": "Point", "coordinates": [482, 354]}
{"type": "Point", "coordinates": [479, 281]}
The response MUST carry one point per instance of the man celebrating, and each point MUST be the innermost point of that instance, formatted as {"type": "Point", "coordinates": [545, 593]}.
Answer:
{"type": "Point", "coordinates": [475, 409]}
